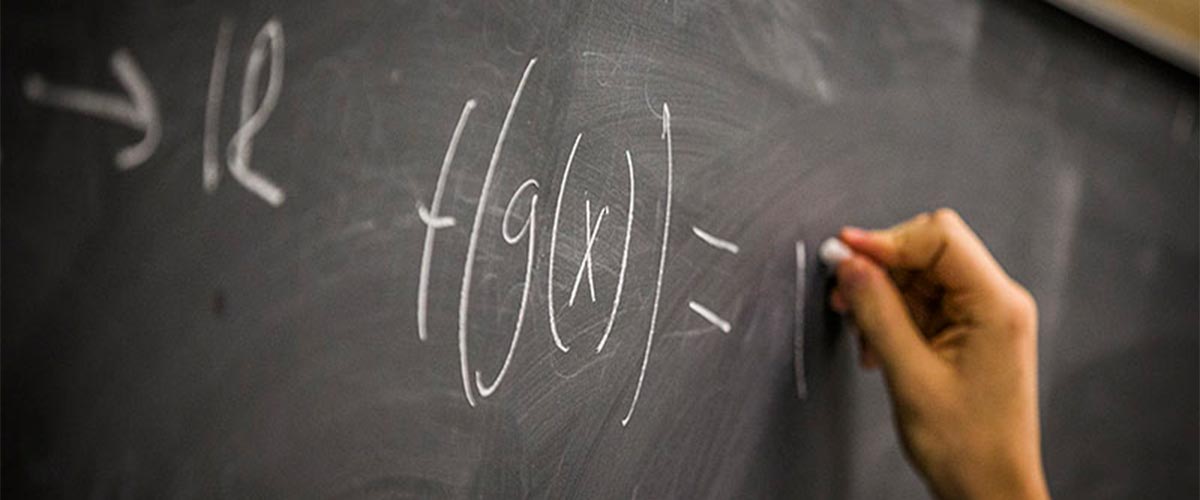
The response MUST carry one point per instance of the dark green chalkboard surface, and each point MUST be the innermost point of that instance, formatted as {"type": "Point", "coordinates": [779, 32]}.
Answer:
{"type": "Point", "coordinates": [548, 249]}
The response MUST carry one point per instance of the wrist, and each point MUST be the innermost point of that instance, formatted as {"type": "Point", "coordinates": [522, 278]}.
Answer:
{"type": "Point", "coordinates": [1004, 479]}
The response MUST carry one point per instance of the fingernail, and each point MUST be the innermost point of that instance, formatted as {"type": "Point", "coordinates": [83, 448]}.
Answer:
{"type": "Point", "coordinates": [854, 233]}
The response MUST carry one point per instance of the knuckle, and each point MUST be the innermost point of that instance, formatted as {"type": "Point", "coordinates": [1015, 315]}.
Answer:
{"type": "Point", "coordinates": [927, 233]}
{"type": "Point", "coordinates": [947, 217]}
{"type": "Point", "coordinates": [1021, 312]}
{"type": "Point", "coordinates": [1024, 303]}
{"type": "Point", "coordinates": [1027, 300]}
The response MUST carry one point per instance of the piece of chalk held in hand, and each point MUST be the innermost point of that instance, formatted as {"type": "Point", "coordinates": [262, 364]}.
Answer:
{"type": "Point", "coordinates": [833, 252]}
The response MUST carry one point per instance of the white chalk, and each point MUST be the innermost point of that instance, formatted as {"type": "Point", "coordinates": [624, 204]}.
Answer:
{"type": "Point", "coordinates": [833, 252]}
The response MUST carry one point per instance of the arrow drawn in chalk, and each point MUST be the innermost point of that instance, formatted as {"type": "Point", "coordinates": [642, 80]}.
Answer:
{"type": "Point", "coordinates": [138, 110]}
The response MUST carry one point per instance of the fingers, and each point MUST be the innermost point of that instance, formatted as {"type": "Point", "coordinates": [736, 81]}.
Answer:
{"type": "Point", "coordinates": [885, 323]}
{"type": "Point", "coordinates": [866, 355]}
{"type": "Point", "coordinates": [939, 244]}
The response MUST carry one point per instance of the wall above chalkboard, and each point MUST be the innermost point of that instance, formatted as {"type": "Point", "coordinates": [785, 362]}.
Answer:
{"type": "Point", "coordinates": [1167, 28]}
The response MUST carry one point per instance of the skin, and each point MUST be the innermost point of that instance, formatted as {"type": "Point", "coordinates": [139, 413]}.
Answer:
{"type": "Point", "coordinates": [956, 339]}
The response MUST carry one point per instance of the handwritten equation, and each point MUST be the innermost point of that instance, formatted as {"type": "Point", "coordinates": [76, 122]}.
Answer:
{"type": "Point", "coordinates": [139, 110]}
{"type": "Point", "coordinates": [475, 382]}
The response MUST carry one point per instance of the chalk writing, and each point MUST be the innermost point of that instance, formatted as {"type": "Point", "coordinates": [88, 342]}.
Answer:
{"type": "Point", "coordinates": [662, 263]}
{"type": "Point", "coordinates": [587, 253]}
{"type": "Point", "coordinates": [254, 117]}
{"type": "Point", "coordinates": [211, 173]}
{"type": "Point", "coordinates": [530, 226]}
{"type": "Point", "coordinates": [612, 316]}
{"type": "Point", "coordinates": [707, 314]}
{"type": "Point", "coordinates": [725, 245]}
{"type": "Point", "coordinates": [265, 61]}
{"type": "Point", "coordinates": [138, 111]}
{"type": "Point", "coordinates": [698, 308]}
{"type": "Point", "coordinates": [434, 221]}
{"type": "Point", "coordinates": [464, 298]}
{"type": "Point", "coordinates": [554, 245]}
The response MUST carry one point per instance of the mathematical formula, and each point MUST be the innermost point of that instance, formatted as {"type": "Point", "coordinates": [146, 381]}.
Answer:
{"type": "Point", "coordinates": [140, 111]}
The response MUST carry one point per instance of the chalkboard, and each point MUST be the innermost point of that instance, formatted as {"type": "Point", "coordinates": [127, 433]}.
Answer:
{"type": "Point", "coordinates": [550, 249]}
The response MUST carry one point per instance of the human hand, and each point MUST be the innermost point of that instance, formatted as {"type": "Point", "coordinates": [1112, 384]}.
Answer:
{"type": "Point", "coordinates": [957, 341]}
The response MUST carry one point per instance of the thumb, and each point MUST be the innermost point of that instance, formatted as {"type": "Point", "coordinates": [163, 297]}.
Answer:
{"type": "Point", "coordinates": [884, 320]}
